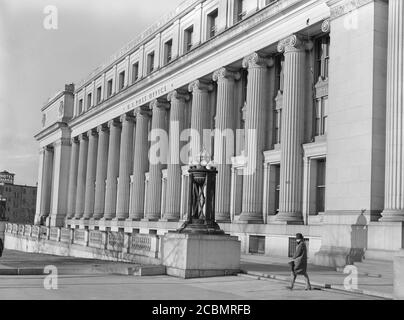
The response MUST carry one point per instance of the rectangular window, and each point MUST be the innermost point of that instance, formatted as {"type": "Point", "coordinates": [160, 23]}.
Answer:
{"type": "Point", "coordinates": [188, 38]}
{"type": "Point", "coordinates": [211, 24]}
{"type": "Point", "coordinates": [89, 102]}
{"type": "Point", "coordinates": [320, 186]}
{"type": "Point", "coordinates": [121, 80]}
{"type": "Point", "coordinates": [322, 52]}
{"type": "Point", "coordinates": [150, 62]}
{"type": "Point", "coordinates": [168, 47]}
{"type": "Point", "coordinates": [109, 88]}
{"type": "Point", "coordinates": [98, 95]}
{"type": "Point", "coordinates": [257, 244]}
{"type": "Point", "coordinates": [135, 72]}
{"type": "Point", "coordinates": [277, 126]}
{"type": "Point", "coordinates": [277, 169]}
{"type": "Point", "coordinates": [80, 106]}
{"type": "Point", "coordinates": [321, 116]}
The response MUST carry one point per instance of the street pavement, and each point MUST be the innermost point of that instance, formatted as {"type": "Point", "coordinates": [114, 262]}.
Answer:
{"type": "Point", "coordinates": [117, 287]}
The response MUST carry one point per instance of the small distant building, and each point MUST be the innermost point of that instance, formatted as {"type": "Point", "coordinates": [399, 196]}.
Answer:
{"type": "Point", "coordinates": [17, 202]}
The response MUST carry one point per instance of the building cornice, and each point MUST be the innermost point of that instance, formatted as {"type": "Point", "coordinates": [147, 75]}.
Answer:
{"type": "Point", "coordinates": [51, 129]}
{"type": "Point", "coordinates": [342, 7]}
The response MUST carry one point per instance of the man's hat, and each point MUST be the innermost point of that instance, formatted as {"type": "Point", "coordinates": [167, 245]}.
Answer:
{"type": "Point", "coordinates": [299, 236]}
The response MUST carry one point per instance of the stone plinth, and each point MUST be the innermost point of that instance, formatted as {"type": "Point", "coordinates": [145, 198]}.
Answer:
{"type": "Point", "coordinates": [399, 275]}
{"type": "Point", "coordinates": [200, 255]}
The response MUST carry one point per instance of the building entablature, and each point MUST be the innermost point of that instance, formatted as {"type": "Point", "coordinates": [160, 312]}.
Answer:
{"type": "Point", "coordinates": [207, 58]}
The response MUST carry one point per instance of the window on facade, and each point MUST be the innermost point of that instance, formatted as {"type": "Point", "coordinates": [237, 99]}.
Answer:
{"type": "Point", "coordinates": [188, 33]}
{"type": "Point", "coordinates": [277, 125]}
{"type": "Point", "coordinates": [277, 169]}
{"type": "Point", "coordinates": [109, 88]}
{"type": "Point", "coordinates": [150, 62]}
{"type": "Point", "coordinates": [320, 186]}
{"type": "Point", "coordinates": [257, 244]}
{"type": "Point", "coordinates": [239, 10]}
{"type": "Point", "coordinates": [211, 24]}
{"type": "Point", "coordinates": [135, 72]}
{"type": "Point", "coordinates": [168, 47]}
{"type": "Point", "coordinates": [121, 80]}
{"type": "Point", "coordinates": [80, 106]}
{"type": "Point", "coordinates": [321, 116]}
{"type": "Point", "coordinates": [89, 100]}
{"type": "Point", "coordinates": [268, 2]}
{"type": "Point", "coordinates": [98, 94]}
{"type": "Point", "coordinates": [322, 52]}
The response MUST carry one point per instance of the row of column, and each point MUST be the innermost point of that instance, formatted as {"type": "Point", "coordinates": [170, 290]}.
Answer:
{"type": "Point", "coordinates": [106, 158]}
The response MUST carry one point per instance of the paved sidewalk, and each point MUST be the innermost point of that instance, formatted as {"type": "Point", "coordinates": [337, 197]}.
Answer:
{"type": "Point", "coordinates": [374, 277]}
{"type": "Point", "coordinates": [23, 263]}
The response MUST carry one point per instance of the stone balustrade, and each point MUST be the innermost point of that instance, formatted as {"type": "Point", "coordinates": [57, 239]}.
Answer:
{"type": "Point", "coordinates": [128, 243]}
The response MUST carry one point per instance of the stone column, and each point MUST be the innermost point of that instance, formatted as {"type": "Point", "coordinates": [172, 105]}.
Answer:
{"type": "Point", "coordinates": [72, 189]}
{"type": "Point", "coordinates": [291, 168]}
{"type": "Point", "coordinates": [159, 121]}
{"type": "Point", "coordinates": [60, 181]}
{"type": "Point", "coordinates": [200, 114]}
{"type": "Point", "coordinates": [394, 176]}
{"type": "Point", "coordinates": [46, 182]}
{"type": "Point", "coordinates": [101, 173]}
{"type": "Point", "coordinates": [224, 140]}
{"type": "Point", "coordinates": [112, 168]}
{"type": "Point", "coordinates": [125, 166]}
{"type": "Point", "coordinates": [140, 164]}
{"type": "Point", "coordinates": [91, 173]}
{"type": "Point", "coordinates": [81, 175]}
{"type": "Point", "coordinates": [254, 137]}
{"type": "Point", "coordinates": [177, 125]}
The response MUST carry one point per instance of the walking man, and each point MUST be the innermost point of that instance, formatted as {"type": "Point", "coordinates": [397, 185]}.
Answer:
{"type": "Point", "coordinates": [299, 262]}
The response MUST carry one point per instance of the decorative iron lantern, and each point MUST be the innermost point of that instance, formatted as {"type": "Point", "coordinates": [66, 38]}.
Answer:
{"type": "Point", "coordinates": [202, 185]}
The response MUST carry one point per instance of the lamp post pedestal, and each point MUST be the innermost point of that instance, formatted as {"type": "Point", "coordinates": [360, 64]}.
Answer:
{"type": "Point", "coordinates": [200, 248]}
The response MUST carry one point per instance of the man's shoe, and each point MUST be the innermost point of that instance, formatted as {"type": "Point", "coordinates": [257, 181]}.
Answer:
{"type": "Point", "coordinates": [307, 289]}
{"type": "Point", "coordinates": [289, 287]}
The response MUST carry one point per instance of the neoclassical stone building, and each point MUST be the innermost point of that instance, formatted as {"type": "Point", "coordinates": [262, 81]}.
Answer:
{"type": "Point", "coordinates": [320, 85]}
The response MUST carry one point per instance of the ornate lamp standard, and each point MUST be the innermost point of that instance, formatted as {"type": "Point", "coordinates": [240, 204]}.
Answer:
{"type": "Point", "coordinates": [202, 185]}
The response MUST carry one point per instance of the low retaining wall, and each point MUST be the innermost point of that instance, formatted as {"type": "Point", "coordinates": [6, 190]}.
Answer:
{"type": "Point", "coordinates": [93, 244]}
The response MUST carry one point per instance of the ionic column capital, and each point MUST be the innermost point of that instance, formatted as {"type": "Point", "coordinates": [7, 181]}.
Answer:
{"type": "Point", "coordinates": [142, 111]}
{"type": "Point", "coordinates": [74, 140]}
{"type": "Point", "coordinates": [177, 95]}
{"type": "Point", "coordinates": [92, 132]}
{"type": "Point", "coordinates": [114, 123]}
{"type": "Point", "coordinates": [83, 136]}
{"type": "Point", "coordinates": [62, 142]}
{"type": "Point", "coordinates": [126, 117]}
{"type": "Point", "coordinates": [294, 43]}
{"type": "Point", "coordinates": [224, 73]}
{"type": "Point", "coordinates": [255, 60]}
{"type": "Point", "coordinates": [158, 103]}
{"type": "Point", "coordinates": [200, 85]}
{"type": "Point", "coordinates": [102, 127]}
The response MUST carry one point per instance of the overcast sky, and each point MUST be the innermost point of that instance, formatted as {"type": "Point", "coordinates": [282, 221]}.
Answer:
{"type": "Point", "coordinates": [35, 63]}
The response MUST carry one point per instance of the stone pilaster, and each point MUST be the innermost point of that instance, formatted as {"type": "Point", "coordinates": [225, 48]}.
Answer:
{"type": "Point", "coordinates": [81, 175]}
{"type": "Point", "coordinates": [224, 140]}
{"type": "Point", "coordinates": [159, 121]}
{"type": "Point", "coordinates": [91, 174]}
{"type": "Point", "coordinates": [46, 182]}
{"type": "Point", "coordinates": [112, 168]}
{"type": "Point", "coordinates": [394, 175]}
{"type": "Point", "coordinates": [254, 137]}
{"type": "Point", "coordinates": [291, 168]}
{"type": "Point", "coordinates": [140, 164]}
{"type": "Point", "coordinates": [101, 173]}
{"type": "Point", "coordinates": [72, 189]}
{"type": "Point", "coordinates": [125, 166]}
{"type": "Point", "coordinates": [177, 125]}
{"type": "Point", "coordinates": [200, 114]}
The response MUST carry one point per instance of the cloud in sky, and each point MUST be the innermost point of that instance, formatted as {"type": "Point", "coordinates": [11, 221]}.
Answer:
{"type": "Point", "coordinates": [35, 63]}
